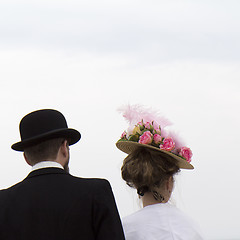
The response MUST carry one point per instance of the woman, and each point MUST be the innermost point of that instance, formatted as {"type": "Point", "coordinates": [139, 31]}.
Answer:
{"type": "Point", "coordinates": [154, 157]}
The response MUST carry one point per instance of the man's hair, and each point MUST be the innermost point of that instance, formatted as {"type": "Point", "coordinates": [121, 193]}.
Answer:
{"type": "Point", "coordinates": [46, 150]}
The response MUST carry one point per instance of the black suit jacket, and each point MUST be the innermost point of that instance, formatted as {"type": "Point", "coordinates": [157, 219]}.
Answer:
{"type": "Point", "coordinates": [51, 204]}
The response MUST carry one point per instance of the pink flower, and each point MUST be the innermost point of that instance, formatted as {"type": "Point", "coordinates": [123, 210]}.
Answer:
{"type": "Point", "coordinates": [124, 135]}
{"type": "Point", "coordinates": [157, 138]}
{"type": "Point", "coordinates": [146, 138]}
{"type": "Point", "coordinates": [140, 123]}
{"type": "Point", "coordinates": [148, 125]}
{"type": "Point", "coordinates": [186, 153]}
{"type": "Point", "coordinates": [157, 130]}
{"type": "Point", "coordinates": [168, 144]}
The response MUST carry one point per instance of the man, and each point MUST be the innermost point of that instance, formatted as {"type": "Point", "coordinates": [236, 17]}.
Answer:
{"type": "Point", "coordinates": [50, 203]}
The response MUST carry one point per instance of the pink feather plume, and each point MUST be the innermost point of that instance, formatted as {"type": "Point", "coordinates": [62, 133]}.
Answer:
{"type": "Point", "coordinates": [136, 113]}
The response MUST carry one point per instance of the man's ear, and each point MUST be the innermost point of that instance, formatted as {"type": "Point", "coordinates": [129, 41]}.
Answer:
{"type": "Point", "coordinates": [26, 159]}
{"type": "Point", "coordinates": [64, 148]}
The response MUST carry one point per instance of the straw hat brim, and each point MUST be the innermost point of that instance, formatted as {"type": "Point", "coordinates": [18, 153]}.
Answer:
{"type": "Point", "coordinates": [130, 146]}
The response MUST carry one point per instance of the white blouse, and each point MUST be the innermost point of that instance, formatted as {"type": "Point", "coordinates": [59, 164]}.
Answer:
{"type": "Point", "coordinates": [161, 221]}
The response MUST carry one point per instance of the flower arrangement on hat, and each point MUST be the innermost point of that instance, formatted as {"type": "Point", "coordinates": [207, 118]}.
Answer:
{"type": "Point", "coordinates": [145, 133]}
{"type": "Point", "coordinates": [151, 132]}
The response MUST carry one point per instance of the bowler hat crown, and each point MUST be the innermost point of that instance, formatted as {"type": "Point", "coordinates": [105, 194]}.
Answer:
{"type": "Point", "coordinates": [42, 125]}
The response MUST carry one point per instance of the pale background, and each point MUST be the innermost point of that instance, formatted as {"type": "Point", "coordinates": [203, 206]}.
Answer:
{"type": "Point", "coordinates": [87, 58]}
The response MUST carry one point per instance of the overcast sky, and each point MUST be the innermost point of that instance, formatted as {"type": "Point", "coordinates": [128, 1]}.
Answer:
{"type": "Point", "coordinates": [87, 58]}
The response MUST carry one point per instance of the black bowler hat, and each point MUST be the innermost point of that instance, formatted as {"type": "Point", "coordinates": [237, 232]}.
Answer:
{"type": "Point", "coordinates": [42, 125]}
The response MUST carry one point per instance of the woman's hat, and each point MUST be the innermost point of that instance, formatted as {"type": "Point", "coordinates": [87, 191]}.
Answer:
{"type": "Point", "coordinates": [42, 125]}
{"type": "Point", "coordinates": [130, 146]}
{"type": "Point", "coordinates": [148, 130]}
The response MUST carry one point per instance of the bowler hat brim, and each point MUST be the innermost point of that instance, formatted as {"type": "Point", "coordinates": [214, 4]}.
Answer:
{"type": "Point", "coordinates": [70, 134]}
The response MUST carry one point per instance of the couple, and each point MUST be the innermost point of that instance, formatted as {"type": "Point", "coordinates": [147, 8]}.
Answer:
{"type": "Point", "coordinates": [52, 204]}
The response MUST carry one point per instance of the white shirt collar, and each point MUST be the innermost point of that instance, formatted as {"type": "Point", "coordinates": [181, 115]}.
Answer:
{"type": "Point", "coordinates": [46, 164]}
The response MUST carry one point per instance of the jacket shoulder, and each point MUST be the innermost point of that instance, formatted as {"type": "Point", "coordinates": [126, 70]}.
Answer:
{"type": "Point", "coordinates": [93, 182]}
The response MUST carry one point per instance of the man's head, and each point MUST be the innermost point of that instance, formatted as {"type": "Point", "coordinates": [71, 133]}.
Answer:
{"type": "Point", "coordinates": [45, 135]}
{"type": "Point", "coordinates": [56, 149]}
{"type": "Point", "coordinates": [44, 151]}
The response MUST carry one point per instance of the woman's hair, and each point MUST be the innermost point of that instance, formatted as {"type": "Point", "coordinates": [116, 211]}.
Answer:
{"type": "Point", "coordinates": [146, 169]}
